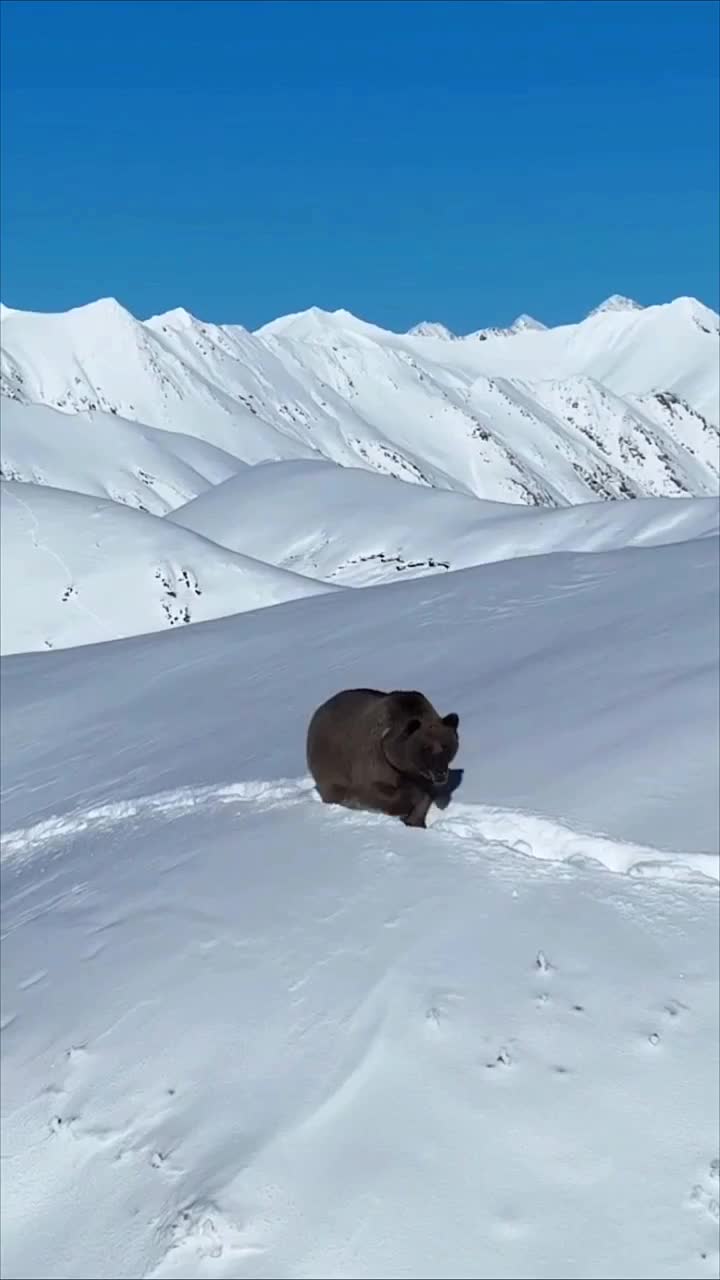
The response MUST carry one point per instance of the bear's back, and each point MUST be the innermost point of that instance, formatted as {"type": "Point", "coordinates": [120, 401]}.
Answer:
{"type": "Point", "coordinates": [346, 726]}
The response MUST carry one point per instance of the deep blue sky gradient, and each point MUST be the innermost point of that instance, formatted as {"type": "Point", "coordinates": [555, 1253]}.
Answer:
{"type": "Point", "coordinates": [459, 161]}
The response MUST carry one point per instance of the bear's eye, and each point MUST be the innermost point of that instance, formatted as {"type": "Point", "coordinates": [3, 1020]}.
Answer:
{"type": "Point", "coordinates": [412, 726]}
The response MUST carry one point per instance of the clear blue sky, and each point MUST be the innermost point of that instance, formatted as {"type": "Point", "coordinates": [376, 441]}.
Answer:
{"type": "Point", "coordinates": [452, 161]}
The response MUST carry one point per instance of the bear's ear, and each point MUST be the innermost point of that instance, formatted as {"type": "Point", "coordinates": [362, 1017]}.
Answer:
{"type": "Point", "coordinates": [412, 726]}
{"type": "Point", "coordinates": [452, 721]}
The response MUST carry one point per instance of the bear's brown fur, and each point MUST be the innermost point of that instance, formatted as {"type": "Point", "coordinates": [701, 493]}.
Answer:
{"type": "Point", "coordinates": [386, 752]}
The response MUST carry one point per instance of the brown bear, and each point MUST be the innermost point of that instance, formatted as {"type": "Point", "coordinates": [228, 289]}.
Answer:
{"type": "Point", "coordinates": [387, 752]}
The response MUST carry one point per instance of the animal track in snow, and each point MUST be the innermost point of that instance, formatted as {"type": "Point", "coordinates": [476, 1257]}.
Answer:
{"type": "Point", "coordinates": [706, 1194]}
{"type": "Point", "coordinates": [24, 842]}
{"type": "Point", "coordinates": [553, 841]}
{"type": "Point", "coordinates": [199, 1234]}
{"type": "Point", "coordinates": [178, 587]}
{"type": "Point", "coordinates": [444, 1004]}
{"type": "Point", "coordinates": [470, 829]}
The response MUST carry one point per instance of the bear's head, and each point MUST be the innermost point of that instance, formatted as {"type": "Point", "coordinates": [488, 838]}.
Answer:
{"type": "Point", "coordinates": [423, 746]}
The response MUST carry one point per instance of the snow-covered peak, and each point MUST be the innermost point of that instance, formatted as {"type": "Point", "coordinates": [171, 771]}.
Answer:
{"type": "Point", "coordinates": [176, 318]}
{"type": "Point", "coordinates": [431, 329]}
{"type": "Point", "coordinates": [322, 327]}
{"type": "Point", "coordinates": [314, 321]}
{"type": "Point", "coordinates": [616, 302]}
{"type": "Point", "coordinates": [702, 317]}
{"type": "Point", "coordinates": [92, 317]}
{"type": "Point", "coordinates": [297, 322]}
{"type": "Point", "coordinates": [525, 323]}
{"type": "Point", "coordinates": [104, 311]}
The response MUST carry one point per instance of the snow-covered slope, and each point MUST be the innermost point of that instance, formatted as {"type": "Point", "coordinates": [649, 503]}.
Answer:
{"type": "Point", "coordinates": [348, 525]}
{"type": "Point", "coordinates": [107, 456]}
{"type": "Point", "coordinates": [77, 570]}
{"type": "Point", "coordinates": [623, 404]}
{"type": "Point", "coordinates": [246, 1035]}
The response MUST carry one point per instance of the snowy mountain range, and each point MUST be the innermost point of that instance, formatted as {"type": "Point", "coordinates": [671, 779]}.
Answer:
{"type": "Point", "coordinates": [155, 415]}
{"type": "Point", "coordinates": [245, 1034]}
{"type": "Point", "coordinates": [623, 404]}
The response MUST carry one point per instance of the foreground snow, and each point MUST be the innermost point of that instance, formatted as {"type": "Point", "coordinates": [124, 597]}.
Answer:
{"type": "Point", "coordinates": [248, 1035]}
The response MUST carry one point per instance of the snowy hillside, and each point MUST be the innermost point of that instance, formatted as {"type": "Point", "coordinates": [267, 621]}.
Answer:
{"type": "Point", "coordinates": [248, 1035]}
{"type": "Point", "coordinates": [76, 570]}
{"type": "Point", "coordinates": [623, 404]}
{"type": "Point", "coordinates": [350, 526]}
{"type": "Point", "coordinates": [107, 456]}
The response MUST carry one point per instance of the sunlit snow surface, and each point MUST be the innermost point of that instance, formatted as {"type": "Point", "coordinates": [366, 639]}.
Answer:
{"type": "Point", "coordinates": [246, 1034]}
